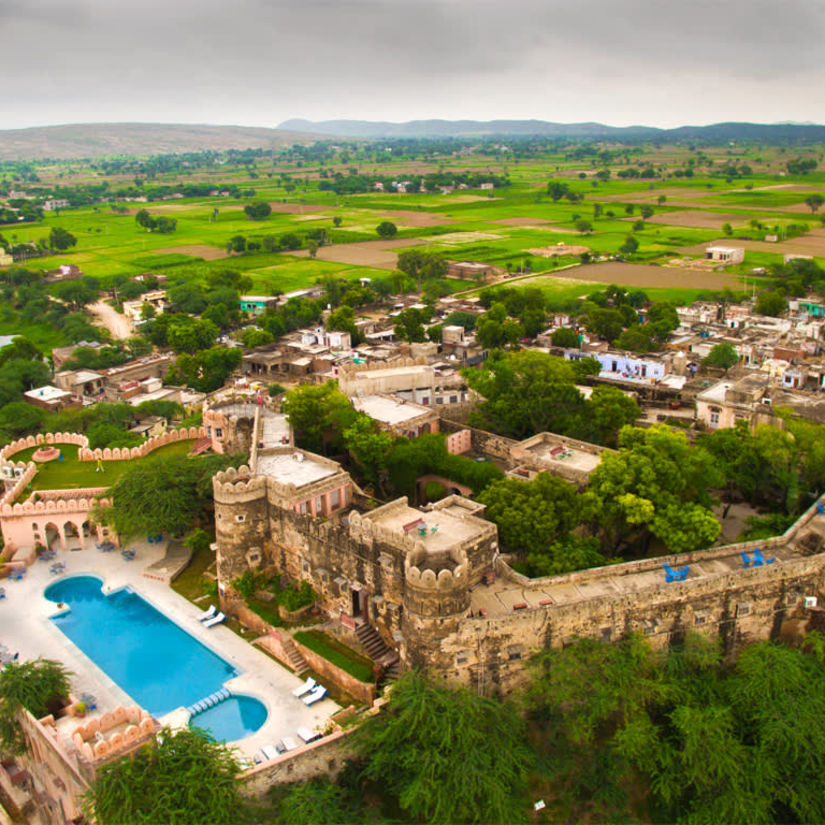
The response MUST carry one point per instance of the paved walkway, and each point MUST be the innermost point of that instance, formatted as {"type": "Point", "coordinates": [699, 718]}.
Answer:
{"type": "Point", "coordinates": [25, 628]}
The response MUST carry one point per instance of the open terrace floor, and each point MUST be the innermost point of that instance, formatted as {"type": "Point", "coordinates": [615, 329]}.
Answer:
{"type": "Point", "coordinates": [503, 595]}
{"type": "Point", "coordinates": [25, 628]}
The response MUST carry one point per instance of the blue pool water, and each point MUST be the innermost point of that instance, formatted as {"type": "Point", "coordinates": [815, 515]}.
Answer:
{"type": "Point", "coordinates": [154, 660]}
{"type": "Point", "coordinates": [232, 719]}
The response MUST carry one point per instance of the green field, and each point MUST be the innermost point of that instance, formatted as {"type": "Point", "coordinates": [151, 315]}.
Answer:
{"type": "Point", "coordinates": [70, 473]}
{"type": "Point", "coordinates": [499, 227]}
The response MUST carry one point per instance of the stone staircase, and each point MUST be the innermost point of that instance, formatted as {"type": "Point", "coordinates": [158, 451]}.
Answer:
{"type": "Point", "coordinates": [296, 661]}
{"type": "Point", "coordinates": [377, 649]}
{"type": "Point", "coordinates": [200, 447]}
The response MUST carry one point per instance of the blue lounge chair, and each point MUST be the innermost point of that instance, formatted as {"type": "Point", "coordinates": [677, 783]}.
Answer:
{"type": "Point", "coordinates": [315, 695]}
{"type": "Point", "coordinates": [820, 507]}
{"type": "Point", "coordinates": [306, 687]}
{"type": "Point", "coordinates": [208, 613]}
{"type": "Point", "coordinates": [215, 620]}
{"type": "Point", "coordinates": [746, 559]}
{"type": "Point", "coordinates": [674, 575]}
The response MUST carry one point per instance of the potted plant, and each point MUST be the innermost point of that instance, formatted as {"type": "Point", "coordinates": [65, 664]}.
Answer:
{"type": "Point", "coordinates": [80, 709]}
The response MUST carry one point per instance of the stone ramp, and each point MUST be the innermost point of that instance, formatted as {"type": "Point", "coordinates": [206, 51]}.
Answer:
{"type": "Point", "coordinates": [172, 564]}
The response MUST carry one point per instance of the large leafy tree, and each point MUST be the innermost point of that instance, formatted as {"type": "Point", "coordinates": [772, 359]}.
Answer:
{"type": "Point", "coordinates": [448, 755]}
{"type": "Point", "coordinates": [181, 778]}
{"type": "Point", "coordinates": [319, 414]}
{"type": "Point", "coordinates": [163, 495]}
{"type": "Point", "coordinates": [658, 484]}
{"type": "Point", "coordinates": [528, 392]}
{"type": "Point", "coordinates": [537, 519]}
{"type": "Point", "coordinates": [368, 445]}
{"type": "Point", "coordinates": [722, 355]}
{"type": "Point", "coordinates": [38, 686]}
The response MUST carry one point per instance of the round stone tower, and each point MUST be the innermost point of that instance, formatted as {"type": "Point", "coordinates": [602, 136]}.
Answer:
{"type": "Point", "coordinates": [436, 599]}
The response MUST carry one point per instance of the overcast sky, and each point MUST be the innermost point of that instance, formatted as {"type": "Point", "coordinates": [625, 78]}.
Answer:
{"type": "Point", "coordinates": [259, 62]}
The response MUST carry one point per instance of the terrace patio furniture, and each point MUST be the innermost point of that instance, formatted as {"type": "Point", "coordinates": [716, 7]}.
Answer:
{"type": "Point", "coordinates": [675, 575]}
{"type": "Point", "coordinates": [2, 592]}
{"type": "Point", "coordinates": [315, 695]}
{"type": "Point", "coordinates": [269, 751]}
{"type": "Point", "coordinates": [307, 735]}
{"type": "Point", "coordinates": [820, 507]}
{"type": "Point", "coordinates": [306, 687]}
{"type": "Point", "coordinates": [208, 613]}
{"type": "Point", "coordinates": [759, 559]}
{"type": "Point", "coordinates": [746, 559]}
{"type": "Point", "coordinates": [289, 743]}
{"type": "Point", "coordinates": [215, 620]}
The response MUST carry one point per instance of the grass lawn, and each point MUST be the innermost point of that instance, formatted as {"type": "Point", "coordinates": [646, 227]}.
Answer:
{"type": "Point", "coordinates": [190, 583]}
{"type": "Point", "coordinates": [339, 654]}
{"type": "Point", "coordinates": [70, 473]}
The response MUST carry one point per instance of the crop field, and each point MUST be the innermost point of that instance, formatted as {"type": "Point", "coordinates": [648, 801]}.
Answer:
{"type": "Point", "coordinates": [498, 227]}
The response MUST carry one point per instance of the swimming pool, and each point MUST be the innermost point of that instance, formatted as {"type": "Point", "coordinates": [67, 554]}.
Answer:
{"type": "Point", "coordinates": [231, 719]}
{"type": "Point", "coordinates": [153, 659]}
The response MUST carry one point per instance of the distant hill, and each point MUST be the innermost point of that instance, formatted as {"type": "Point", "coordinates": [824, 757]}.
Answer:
{"type": "Point", "coordinates": [93, 140]}
{"type": "Point", "coordinates": [465, 128]}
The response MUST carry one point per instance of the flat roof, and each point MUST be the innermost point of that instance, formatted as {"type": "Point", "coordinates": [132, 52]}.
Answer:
{"type": "Point", "coordinates": [287, 469]}
{"type": "Point", "coordinates": [449, 530]}
{"type": "Point", "coordinates": [715, 393]}
{"type": "Point", "coordinates": [388, 410]}
{"type": "Point", "coordinates": [571, 457]}
{"type": "Point", "coordinates": [47, 393]}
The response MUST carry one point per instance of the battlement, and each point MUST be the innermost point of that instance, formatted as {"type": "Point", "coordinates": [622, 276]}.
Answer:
{"type": "Point", "coordinates": [351, 369]}
{"type": "Point", "coordinates": [127, 453]}
{"type": "Point", "coordinates": [237, 483]}
{"type": "Point", "coordinates": [58, 501]}
{"type": "Point", "coordinates": [48, 438]}
{"type": "Point", "coordinates": [436, 571]}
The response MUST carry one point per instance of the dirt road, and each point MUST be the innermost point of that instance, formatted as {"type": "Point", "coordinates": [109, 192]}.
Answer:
{"type": "Point", "coordinates": [119, 325]}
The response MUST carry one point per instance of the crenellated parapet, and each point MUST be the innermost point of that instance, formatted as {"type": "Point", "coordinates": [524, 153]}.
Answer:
{"type": "Point", "coordinates": [81, 501]}
{"type": "Point", "coordinates": [436, 572]}
{"type": "Point", "coordinates": [235, 485]}
{"type": "Point", "coordinates": [127, 453]}
{"type": "Point", "coordinates": [42, 438]}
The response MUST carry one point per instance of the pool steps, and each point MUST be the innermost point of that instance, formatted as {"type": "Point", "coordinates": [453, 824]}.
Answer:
{"type": "Point", "coordinates": [210, 701]}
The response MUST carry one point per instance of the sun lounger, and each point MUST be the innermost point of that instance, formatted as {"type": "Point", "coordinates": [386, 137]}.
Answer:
{"type": "Point", "coordinates": [306, 687]}
{"type": "Point", "coordinates": [269, 752]}
{"type": "Point", "coordinates": [307, 735]}
{"type": "Point", "coordinates": [214, 620]}
{"type": "Point", "coordinates": [315, 696]}
{"type": "Point", "coordinates": [289, 743]}
{"type": "Point", "coordinates": [208, 613]}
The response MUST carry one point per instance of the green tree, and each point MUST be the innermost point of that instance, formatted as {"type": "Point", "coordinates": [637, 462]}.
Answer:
{"type": "Point", "coordinates": [583, 226]}
{"type": "Point", "coordinates": [318, 414]}
{"type": "Point", "coordinates": [630, 245]}
{"type": "Point", "coordinates": [257, 211]}
{"type": "Point", "coordinates": [61, 239]}
{"type": "Point", "coordinates": [37, 686]}
{"type": "Point", "coordinates": [409, 325]}
{"type": "Point", "coordinates": [722, 355]}
{"type": "Point", "coordinates": [657, 484]}
{"type": "Point", "coordinates": [343, 320]}
{"type": "Point", "coordinates": [368, 446]}
{"type": "Point", "coordinates": [770, 303]}
{"type": "Point", "coordinates": [317, 801]}
{"type": "Point", "coordinates": [608, 410]}
{"type": "Point", "coordinates": [557, 189]}
{"type": "Point", "coordinates": [386, 229]}
{"type": "Point", "coordinates": [165, 495]}
{"type": "Point", "coordinates": [646, 211]}
{"type": "Point", "coordinates": [181, 778]}
{"type": "Point", "coordinates": [423, 266]}
{"type": "Point", "coordinates": [814, 202]}
{"type": "Point", "coordinates": [448, 755]}
{"type": "Point", "coordinates": [536, 519]}
{"type": "Point", "coordinates": [565, 337]}
{"type": "Point", "coordinates": [528, 392]}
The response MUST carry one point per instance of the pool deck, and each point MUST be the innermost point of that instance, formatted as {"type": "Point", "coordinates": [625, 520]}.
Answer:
{"type": "Point", "coordinates": [25, 629]}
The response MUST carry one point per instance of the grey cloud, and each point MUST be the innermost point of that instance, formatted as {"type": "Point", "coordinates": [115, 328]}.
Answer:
{"type": "Point", "coordinates": [272, 59]}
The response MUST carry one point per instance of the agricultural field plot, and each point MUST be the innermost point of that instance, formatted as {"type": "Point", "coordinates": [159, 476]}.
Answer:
{"type": "Point", "coordinates": [207, 253]}
{"type": "Point", "coordinates": [459, 238]}
{"type": "Point", "coordinates": [694, 219]}
{"type": "Point", "coordinates": [812, 244]}
{"type": "Point", "coordinates": [376, 254]}
{"type": "Point", "coordinates": [528, 223]}
{"type": "Point", "coordinates": [408, 217]}
{"type": "Point", "coordinates": [644, 276]}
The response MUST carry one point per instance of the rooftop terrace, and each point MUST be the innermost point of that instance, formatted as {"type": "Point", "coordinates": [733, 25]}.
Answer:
{"type": "Point", "coordinates": [295, 467]}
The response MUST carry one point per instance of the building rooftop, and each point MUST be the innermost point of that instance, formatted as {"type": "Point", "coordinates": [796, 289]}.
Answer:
{"type": "Point", "coordinates": [47, 393]}
{"type": "Point", "coordinates": [295, 467]}
{"type": "Point", "coordinates": [449, 529]}
{"type": "Point", "coordinates": [388, 410]}
{"type": "Point", "coordinates": [716, 393]}
{"type": "Point", "coordinates": [547, 453]}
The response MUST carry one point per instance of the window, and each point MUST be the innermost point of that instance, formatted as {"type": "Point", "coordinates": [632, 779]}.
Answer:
{"type": "Point", "coordinates": [319, 504]}
{"type": "Point", "coordinates": [334, 499]}
{"type": "Point", "coordinates": [514, 652]}
{"type": "Point", "coordinates": [219, 432]}
{"type": "Point", "coordinates": [439, 400]}
{"type": "Point", "coordinates": [714, 418]}
{"type": "Point", "coordinates": [302, 508]}
{"type": "Point", "coordinates": [240, 518]}
{"type": "Point", "coordinates": [462, 657]}
{"type": "Point", "coordinates": [453, 399]}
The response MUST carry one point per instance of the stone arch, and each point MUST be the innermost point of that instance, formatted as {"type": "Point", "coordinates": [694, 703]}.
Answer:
{"type": "Point", "coordinates": [53, 537]}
